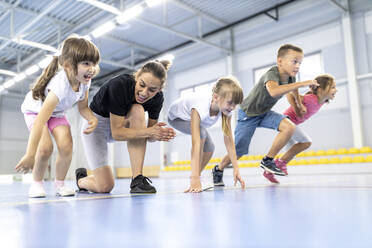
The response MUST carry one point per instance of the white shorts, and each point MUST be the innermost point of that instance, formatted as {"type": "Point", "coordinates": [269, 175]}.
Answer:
{"type": "Point", "coordinates": [299, 136]}
{"type": "Point", "coordinates": [95, 144]}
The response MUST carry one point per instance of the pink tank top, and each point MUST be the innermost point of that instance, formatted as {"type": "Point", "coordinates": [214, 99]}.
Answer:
{"type": "Point", "coordinates": [312, 106]}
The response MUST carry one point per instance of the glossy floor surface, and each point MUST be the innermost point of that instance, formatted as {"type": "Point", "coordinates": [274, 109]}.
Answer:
{"type": "Point", "coordinates": [316, 206]}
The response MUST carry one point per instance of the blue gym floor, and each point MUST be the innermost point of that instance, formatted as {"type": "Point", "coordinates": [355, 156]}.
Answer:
{"type": "Point", "coordinates": [316, 206]}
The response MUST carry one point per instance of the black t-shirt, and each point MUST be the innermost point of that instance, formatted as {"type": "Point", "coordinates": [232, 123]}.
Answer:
{"type": "Point", "coordinates": [117, 97]}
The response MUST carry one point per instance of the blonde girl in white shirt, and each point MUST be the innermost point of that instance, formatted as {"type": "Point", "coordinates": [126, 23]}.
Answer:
{"type": "Point", "coordinates": [194, 113]}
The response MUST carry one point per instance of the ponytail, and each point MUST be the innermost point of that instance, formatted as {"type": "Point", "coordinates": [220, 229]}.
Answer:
{"type": "Point", "coordinates": [43, 80]}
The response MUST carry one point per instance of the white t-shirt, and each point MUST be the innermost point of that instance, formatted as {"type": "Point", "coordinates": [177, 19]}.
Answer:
{"type": "Point", "coordinates": [182, 107]}
{"type": "Point", "coordinates": [61, 87]}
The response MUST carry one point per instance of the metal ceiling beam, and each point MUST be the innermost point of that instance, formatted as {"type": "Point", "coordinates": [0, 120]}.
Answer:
{"type": "Point", "coordinates": [49, 8]}
{"type": "Point", "coordinates": [339, 6]}
{"type": "Point", "coordinates": [11, 7]}
{"type": "Point", "coordinates": [200, 13]}
{"type": "Point", "coordinates": [117, 64]}
{"type": "Point", "coordinates": [276, 17]}
{"type": "Point", "coordinates": [116, 11]}
{"type": "Point", "coordinates": [189, 44]}
{"type": "Point", "coordinates": [71, 24]}
{"type": "Point", "coordinates": [131, 43]}
{"type": "Point", "coordinates": [183, 35]}
{"type": "Point", "coordinates": [34, 13]}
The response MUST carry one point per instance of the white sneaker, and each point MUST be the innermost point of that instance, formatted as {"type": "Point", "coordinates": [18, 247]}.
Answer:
{"type": "Point", "coordinates": [64, 191]}
{"type": "Point", "coordinates": [36, 191]}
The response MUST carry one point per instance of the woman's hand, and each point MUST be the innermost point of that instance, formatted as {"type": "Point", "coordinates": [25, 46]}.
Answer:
{"type": "Point", "coordinates": [25, 164]}
{"type": "Point", "coordinates": [195, 185]}
{"type": "Point", "coordinates": [161, 133]}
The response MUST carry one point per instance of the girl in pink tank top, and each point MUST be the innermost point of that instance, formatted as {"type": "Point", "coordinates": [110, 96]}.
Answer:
{"type": "Point", "coordinates": [313, 101]}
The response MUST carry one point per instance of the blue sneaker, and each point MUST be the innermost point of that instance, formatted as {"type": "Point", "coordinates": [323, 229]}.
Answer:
{"type": "Point", "coordinates": [217, 176]}
{"type": "Point", "coordinates": [270, 166]}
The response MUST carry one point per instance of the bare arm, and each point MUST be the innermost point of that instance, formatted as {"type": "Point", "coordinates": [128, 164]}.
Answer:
{"type": "Point", "coordinates": [230, 147]}
{"type": "Point", "coordinates": [84, 110]}
{"type": "Point", "coordinates": [276, 90]}
{"type": "Point", "coordinates": [27, 161]}
{"type": "Point", "coordinates": [87, 114]}
{"type": "Point", "coordinates": [196, 143]}
{"type": "Point", "coordinates": [120, 132]}
{"type": "Point", "coordinates": [156, 132]}
{"type": "Point", "coordinates": [195, 184]}
{"type": "Point", "coordinates": [299, 109]}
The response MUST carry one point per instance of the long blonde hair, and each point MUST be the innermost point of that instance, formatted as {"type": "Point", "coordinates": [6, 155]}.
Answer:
{"type": "Point", "coordinates": [325, 82]}
{"type": "Point", "coordinates": [224, 87]}
{"type": "Point", "coordinates": [75, 49]}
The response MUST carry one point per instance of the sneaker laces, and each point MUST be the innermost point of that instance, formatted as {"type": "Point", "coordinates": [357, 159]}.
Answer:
{"type": "Point", "coordinates": [146, 180]}
{"type": "Point", "coordinates": [140, 179]}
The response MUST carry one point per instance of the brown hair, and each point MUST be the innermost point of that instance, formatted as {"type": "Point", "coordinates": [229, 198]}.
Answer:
{"type": "Point", "coordinates": [224, 87]}
{"type": "Point", "coordinates": [283, 49]}
{"type": "Point", "coordinates": [75, 49]}
{"type": "Point", "coordinates": [325, 82]}
{"type": "Point", "coordinates": [157, 68]}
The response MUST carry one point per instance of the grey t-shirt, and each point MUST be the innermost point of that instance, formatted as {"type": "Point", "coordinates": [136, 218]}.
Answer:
{"type": "Point", "coordinates": [259, 100]}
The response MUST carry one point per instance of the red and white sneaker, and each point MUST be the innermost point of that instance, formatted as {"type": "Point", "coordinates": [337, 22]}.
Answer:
{"type": "Point", "coordinates": [282, 165]}
{"type": "Point", "coordinates": [270, 176]}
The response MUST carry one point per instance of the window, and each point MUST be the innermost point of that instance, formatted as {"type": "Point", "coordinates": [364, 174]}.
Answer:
{"type": "Point", "coordinates": [310, 68]}
{"type": "Point", "coordinates": [205, 88]}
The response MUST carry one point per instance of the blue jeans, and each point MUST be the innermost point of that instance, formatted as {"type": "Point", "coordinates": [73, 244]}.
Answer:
{"type": "Point", "coordinates": [247, 126]}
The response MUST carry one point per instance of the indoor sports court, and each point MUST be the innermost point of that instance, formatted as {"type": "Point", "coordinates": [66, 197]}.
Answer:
{"type": "Point", "coordinates": [110, 110]}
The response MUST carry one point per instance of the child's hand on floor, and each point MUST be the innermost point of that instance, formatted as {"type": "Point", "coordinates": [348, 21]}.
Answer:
{"type": "Point", "coordinates": [25, 164]}
{"type": "Point", "coordinates": [195, 185]}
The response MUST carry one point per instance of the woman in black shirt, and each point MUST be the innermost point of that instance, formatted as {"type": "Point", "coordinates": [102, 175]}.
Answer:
{"type": "Point", "coordinates": [120, 107]}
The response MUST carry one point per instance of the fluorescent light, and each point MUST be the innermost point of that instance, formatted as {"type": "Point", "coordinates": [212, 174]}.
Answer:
{"type": "Point", "coordinates": [36, 44]}
{"type": "Point", "coordinates": [101, 30]}
{"type": "Point", "coordinates": [45, 62]}
{"type": "Point", "coordinates": [8, 83]}
{"type": "Point", "coordinates": [32, 69]}
{"type": "Point", "coordinates": [9, 73]}
{"type": "Point", "coordinates": [129, 14]}
{"type": "Point", "coordinates": [101, 5]}
{"type": "Point", "coordinates": [152, 3]}
{"type": "Point", "coordinates": [20, 77]}
{"type": "Point", "coordinates": [87, 37]}
{"type": "Point", "coordinates": [168, 56]}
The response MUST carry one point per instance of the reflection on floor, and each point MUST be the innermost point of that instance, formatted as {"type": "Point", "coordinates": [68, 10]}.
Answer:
{"type": "Point", "coordinates": [315, 206]}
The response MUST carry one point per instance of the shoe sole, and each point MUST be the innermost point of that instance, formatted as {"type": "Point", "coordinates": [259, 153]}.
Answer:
{"type": "Point", "coordinates": [219, 184]}
{"type": "Point", "coordinates": [271, 171]}
{"type": "Point", "coordinates": [37, 196]}
{"type": "Point", "coordinates": [136, 191]}
{"type": "Point", "coordinates": [69, 195]}
{"type": "Point", "coordinates": [142, 192]}
{"type": "Point", "coordinates": [271, 181]}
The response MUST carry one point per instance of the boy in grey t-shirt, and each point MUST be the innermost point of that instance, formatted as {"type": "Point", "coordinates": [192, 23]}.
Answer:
{"type": "Point", "coordinates": [255, 111]}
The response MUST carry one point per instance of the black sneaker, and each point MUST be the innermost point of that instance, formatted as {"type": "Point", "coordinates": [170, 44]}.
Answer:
{"type": "Point", "coordinates": [270, 166]}
{"type": "Point", "coordinates": [217, 176]}
{"type": "Point", "coordinates": [80, 173]}
{"type": "Point", "coordinates": [140, 184]}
